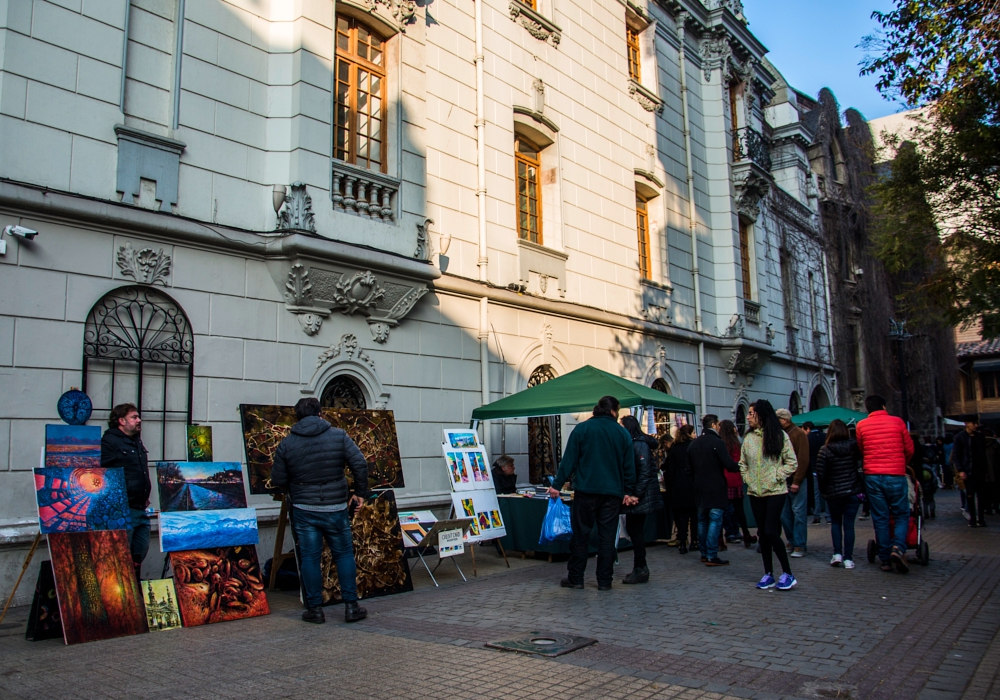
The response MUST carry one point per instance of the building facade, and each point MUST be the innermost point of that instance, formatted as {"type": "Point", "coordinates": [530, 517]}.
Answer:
{"type": "Point", "coordinates": [385, 205]}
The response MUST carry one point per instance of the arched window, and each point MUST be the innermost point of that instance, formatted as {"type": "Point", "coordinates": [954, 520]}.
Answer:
{"type": "Point", "coordinates": [138, 348]}
{"type": "Point", "coordinates": [741, 419]}
{"type": "Point", "coordinates": [544, 435]}
{"type": "Point", "coordinates": [344, 393]}
{"type": "Point", "coordinates": [795, 403]}
{"type": "Point", "coordinates": [818, 399]}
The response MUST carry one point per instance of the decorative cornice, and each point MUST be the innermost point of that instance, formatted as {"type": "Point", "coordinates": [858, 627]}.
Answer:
{"type": "Point", "coordinates": [537, 116]}
{"type": "Point", "coordinates": [650, 176]}
{"type": "Point", "coordinates": [645, 97]}
{"type": "Point", "coordinates": [147, 139]}
{"type": "Point", "coordinates": [538, 26]}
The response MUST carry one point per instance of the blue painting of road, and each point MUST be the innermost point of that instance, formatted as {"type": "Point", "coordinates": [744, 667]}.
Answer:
{"type": "Point", "coordinates": [207, 529]}
{"type": "Point", "coordinates": [200, 485]}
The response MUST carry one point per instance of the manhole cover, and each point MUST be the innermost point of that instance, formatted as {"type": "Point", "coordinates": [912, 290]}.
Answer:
{"type": "Point", "coordinates": [543, 643]}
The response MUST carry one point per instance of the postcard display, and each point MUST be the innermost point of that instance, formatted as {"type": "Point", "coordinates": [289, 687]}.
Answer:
{"type": "Point", "coordinates": [378, 537]}
{"type": "Point", "coordinates": [473, 495]}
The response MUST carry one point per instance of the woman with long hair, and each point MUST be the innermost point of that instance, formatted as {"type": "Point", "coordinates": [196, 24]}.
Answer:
{"type": "Point", "coordinates": [647, 489]}
{"type": "Point", "coordinates": [766, 461]}
{"type": "Point", "coordinates": [838, 471]}
{"type": "Point", "coordinates": [730, 436]}
{"type": "Point", "coordinates": [680, 489]}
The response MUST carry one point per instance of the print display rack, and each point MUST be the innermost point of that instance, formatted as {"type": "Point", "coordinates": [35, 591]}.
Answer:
{"type": "Point", "coordinates": [431, 540]}
{"type": "Point", "coordinates": [472, 492]}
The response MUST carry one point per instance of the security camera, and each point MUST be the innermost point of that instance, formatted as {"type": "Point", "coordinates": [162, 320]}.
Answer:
{"type": "Point", "coordinates": [20, 231]}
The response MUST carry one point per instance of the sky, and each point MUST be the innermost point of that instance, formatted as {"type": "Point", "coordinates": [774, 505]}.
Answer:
{"type": "Point", "coordinates": [814, 45]}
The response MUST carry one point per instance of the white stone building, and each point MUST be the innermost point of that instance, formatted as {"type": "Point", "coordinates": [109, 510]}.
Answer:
{"type": "Point", "coordinates": [471, 195]}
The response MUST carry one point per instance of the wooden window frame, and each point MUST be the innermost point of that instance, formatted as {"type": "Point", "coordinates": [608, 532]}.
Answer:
{"type": "Point", "coordinates": [745, 260]}
{"type": "Point", "coordinates": [356, 62]}
{"type": "Point", "coordinates": [634, 53]}
{"type": "Point", "coordinates": [523, 202]}
{"type": "Point", "coordinates": [988, 382]}
{"type": "Point", "coordinates": [642, 234]}
{"type": "Point", "coordinates": [533, 4]}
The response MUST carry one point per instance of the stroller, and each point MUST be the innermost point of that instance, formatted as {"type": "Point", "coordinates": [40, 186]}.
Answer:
{"type": "Point", "coordinates": [915, 533]}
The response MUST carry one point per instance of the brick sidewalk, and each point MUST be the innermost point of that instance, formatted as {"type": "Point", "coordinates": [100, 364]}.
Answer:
{"type": "Point", "coordinates": [691, 632]}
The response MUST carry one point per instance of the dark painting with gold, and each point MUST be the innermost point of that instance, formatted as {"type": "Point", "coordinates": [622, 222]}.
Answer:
{"type": "Point", "coordinates": [378, 551]}
{"type": "Point", "coordinates": [218, 585]}
{"type": "Point", "coordinates": [374, 432]}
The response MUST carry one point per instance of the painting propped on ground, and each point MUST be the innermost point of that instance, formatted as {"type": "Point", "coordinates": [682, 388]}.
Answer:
{"type": "Point", "coordinates": [207, 529]}
{"type": "Point", "coordinates": [72, 445]}
{"type": "Point", "coordinates": [218, 585]}
{"type": "Point", "coordinates": [160, 599]}
{"type": "Point", "coordinates": [200, 485]}
{"type": "Point", "coordinates": [43, 618]}
{"type": "Point", "coordinates": [96, 587]}
{"type": "Point", "coordinates": [374, 432]}
{"type": "Point", "coordinates": [81, 499]}
{"type": "Point", "coordinates": [378, 551]}
{"type": "Point", "coordinates": [199, 443]}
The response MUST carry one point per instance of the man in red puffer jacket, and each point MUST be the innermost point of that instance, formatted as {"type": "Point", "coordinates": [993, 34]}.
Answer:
{"type": "Point", "coordinates": [886, 448]}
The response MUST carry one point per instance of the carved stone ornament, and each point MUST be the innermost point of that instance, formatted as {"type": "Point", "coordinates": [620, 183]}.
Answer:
{"type": "Point", "coordinates": [423, 251]}
{"type": "Point", "coordinates": [402, 10]}
{"type": "Point", "coordinates": [746, 361]}
{"type": "Point", "coordinates": [656, 314]}
{"type": "Point", "coordinates": [749, 193]}
{"type": "Point", "coordinates": [147, 266]}
{"type": "Point", "coordinates": [770, 334]}
{"type": "Point", "coordinates": [360, 291]}
{"type": "Point", "coordinates": [646, 99]}
{"type": "Point", "coordinates": [297, 215]}
{"type": "Point", "coordinates": [349, 348]}
{"type": "Point", "coordinates": [736, 328]}
{"type": "Point", "coordinates": [537, 26]}
{"type": "Point", "coordinates": [299, 300]}
{"type": "Point", "coordinates": [380, 331]}
{"type": "Point", "coordinates": [715, 53]}
{"type": "Point", "coordinates": [381, 323]}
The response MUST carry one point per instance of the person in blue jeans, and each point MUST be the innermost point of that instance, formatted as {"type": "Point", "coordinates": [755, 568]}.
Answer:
{"type": "Point", "coordinates": [309, 466]}
{"type": "Point", "coordinates": [707, 462]}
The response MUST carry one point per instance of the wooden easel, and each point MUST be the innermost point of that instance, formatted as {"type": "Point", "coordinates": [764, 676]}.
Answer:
{"type": "Point", "coordinates": [472, 546]}
{"type": "Point", "coordinates": [279, 557]}
{"type": "Point", "coordinates": [24, 568]}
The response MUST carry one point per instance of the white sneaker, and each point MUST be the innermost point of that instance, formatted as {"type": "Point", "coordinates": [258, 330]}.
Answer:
{"type": "Point", "coordinates": [848, 563]}
{"type": "Point", "coordinates": [836, 560]}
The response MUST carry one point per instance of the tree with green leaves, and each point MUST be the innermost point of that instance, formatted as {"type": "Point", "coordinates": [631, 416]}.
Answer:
{"type": "Point", "coordinates": [937, 207]}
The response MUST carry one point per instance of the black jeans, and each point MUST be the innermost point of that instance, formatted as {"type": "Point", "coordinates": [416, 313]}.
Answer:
{"type": "Point", "coordinates": [588, 510]}
{"type": "Point", "coordinates": [741, 515]}
{"type": "Point", "coordinates": [685, 518]}
{"type": "Point", "coordinates": [975, 501]}
{"type": "Point", "coordinates": [767, 513]}
{"type": "Point", "coordinates": [635, 526]}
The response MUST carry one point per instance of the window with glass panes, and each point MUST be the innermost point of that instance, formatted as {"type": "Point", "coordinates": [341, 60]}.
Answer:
{"type": "Point", "coordinates": [359, 129]}
{"type": "Point", "coordinates": [745, 258]}
{"type": "Point", "coordinates": [632, 43]}
{"type": "Point", "coordinates": [989, 382]}
{"type": "Point", "coordinates": [529, 194]}
{"type": "Point", "coordinates": [642, 229]}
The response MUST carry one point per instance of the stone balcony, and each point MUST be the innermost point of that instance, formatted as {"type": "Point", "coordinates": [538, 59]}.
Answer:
{"type": "Point", "coordinates": [364, 192]}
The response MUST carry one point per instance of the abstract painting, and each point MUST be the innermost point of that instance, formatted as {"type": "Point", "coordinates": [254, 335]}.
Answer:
{"type": "Point", "coordinates": [218, 585]}
{"type": "Point", "coordinates": [160, 598]}
{"type": "Point", "coordinates": [378, 551]}
{"type": "Point", "coordinates": [458, 471]}
{"type": "Point", "coordinates": [96, 587]}
{"type": "Point", "coordinates": [207, 529]}
{"type": "Point", "coordinates": [199, 443]}
{"type": "Point", "coordinates": [72, 445]}
{"type": "Point", "coordinates": [484, 509]}
{"type": "Point", "coordinates": [457, 439]}
{"type": "Point", "coordinates": [81, 499]}
{"type": "Point", "coordinates": [374, 432]}
{"type": "Point", "coordinates": [200, 485]}
{"type": "Point", "coordinates": [43, 619]}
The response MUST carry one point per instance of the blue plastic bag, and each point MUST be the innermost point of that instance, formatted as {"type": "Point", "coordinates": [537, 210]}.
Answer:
{"type": "Point", "coordinates": [557, 524]}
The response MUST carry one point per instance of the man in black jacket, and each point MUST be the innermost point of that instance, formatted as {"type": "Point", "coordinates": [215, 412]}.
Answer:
{"type": "Point", "coordinates": [707, 458]}
{"type": "Point", "coordinates": [969, 455]}
{"type": "Point", "coordinates": [309, 467]}
{"type": "Point", "coordinates": [121, 447]}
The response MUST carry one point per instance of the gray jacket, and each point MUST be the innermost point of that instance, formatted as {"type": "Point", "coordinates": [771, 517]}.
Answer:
{"type": "Point", "coordinates": [309, 464]}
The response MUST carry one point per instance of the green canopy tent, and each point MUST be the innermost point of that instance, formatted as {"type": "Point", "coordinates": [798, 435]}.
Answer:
{"type": "Point", "coordinates": [822, 417]}
{"type": "Point", "coordinates": [578, 392]}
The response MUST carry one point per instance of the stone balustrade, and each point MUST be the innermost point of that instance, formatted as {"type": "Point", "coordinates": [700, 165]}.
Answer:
{"type": "Point", "coordinates": [364, 192]}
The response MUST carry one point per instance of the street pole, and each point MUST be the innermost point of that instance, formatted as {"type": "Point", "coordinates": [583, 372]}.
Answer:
{"type": "Point", "coordinates": [898, 332]}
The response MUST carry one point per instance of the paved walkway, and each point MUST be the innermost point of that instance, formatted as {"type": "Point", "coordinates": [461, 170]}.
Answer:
{"type": "Point", "coordinates": [692, 632]}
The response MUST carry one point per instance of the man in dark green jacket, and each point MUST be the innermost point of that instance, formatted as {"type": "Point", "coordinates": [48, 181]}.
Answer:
{"type": "Point", "coordinates": [599, 462]}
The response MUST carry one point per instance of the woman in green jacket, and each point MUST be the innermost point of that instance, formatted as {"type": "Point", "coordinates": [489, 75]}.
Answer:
{"type": "Point", "coordinates": [766, 461]}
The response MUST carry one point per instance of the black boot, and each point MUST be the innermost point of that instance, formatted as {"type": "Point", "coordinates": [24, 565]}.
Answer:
{"type": "Point", "coordinates": [354, 612]}
{"type": "Point", "coordinates": [640, 574]}
{"type": "Point", "coordinates": [314, 615]}
{"type": "Point", "coordinates": [682, 549]}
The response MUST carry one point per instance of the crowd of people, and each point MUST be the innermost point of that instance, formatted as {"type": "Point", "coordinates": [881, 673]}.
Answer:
{"type": "Point", "coordinates": [878, 468]}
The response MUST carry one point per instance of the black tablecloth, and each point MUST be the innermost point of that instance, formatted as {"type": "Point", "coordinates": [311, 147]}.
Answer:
{"type": "Point", "coordinates": [523, 519]}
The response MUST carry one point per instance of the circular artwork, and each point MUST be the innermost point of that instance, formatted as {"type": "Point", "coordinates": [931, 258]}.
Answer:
{"type": "Point", "coordinates": [75, 407]}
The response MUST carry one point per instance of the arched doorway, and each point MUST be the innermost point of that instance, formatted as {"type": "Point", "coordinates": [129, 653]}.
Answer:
{"type": "Point", "coordinates": [795, 403]}
{"type": "Point", "coordinates": [138, 348]}
{"type": "Point", "coordinates": [345, 393]}
{"type": "Point", "coordinates": [818, 399]}
{"type": "Point", "coordinates": [544, 435]}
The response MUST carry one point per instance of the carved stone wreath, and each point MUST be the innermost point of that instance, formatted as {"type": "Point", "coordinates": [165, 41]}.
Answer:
{"type": "Point", "coordinates": [362, 291]}
{"type": "Point", "coordinates": [147, 266]}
